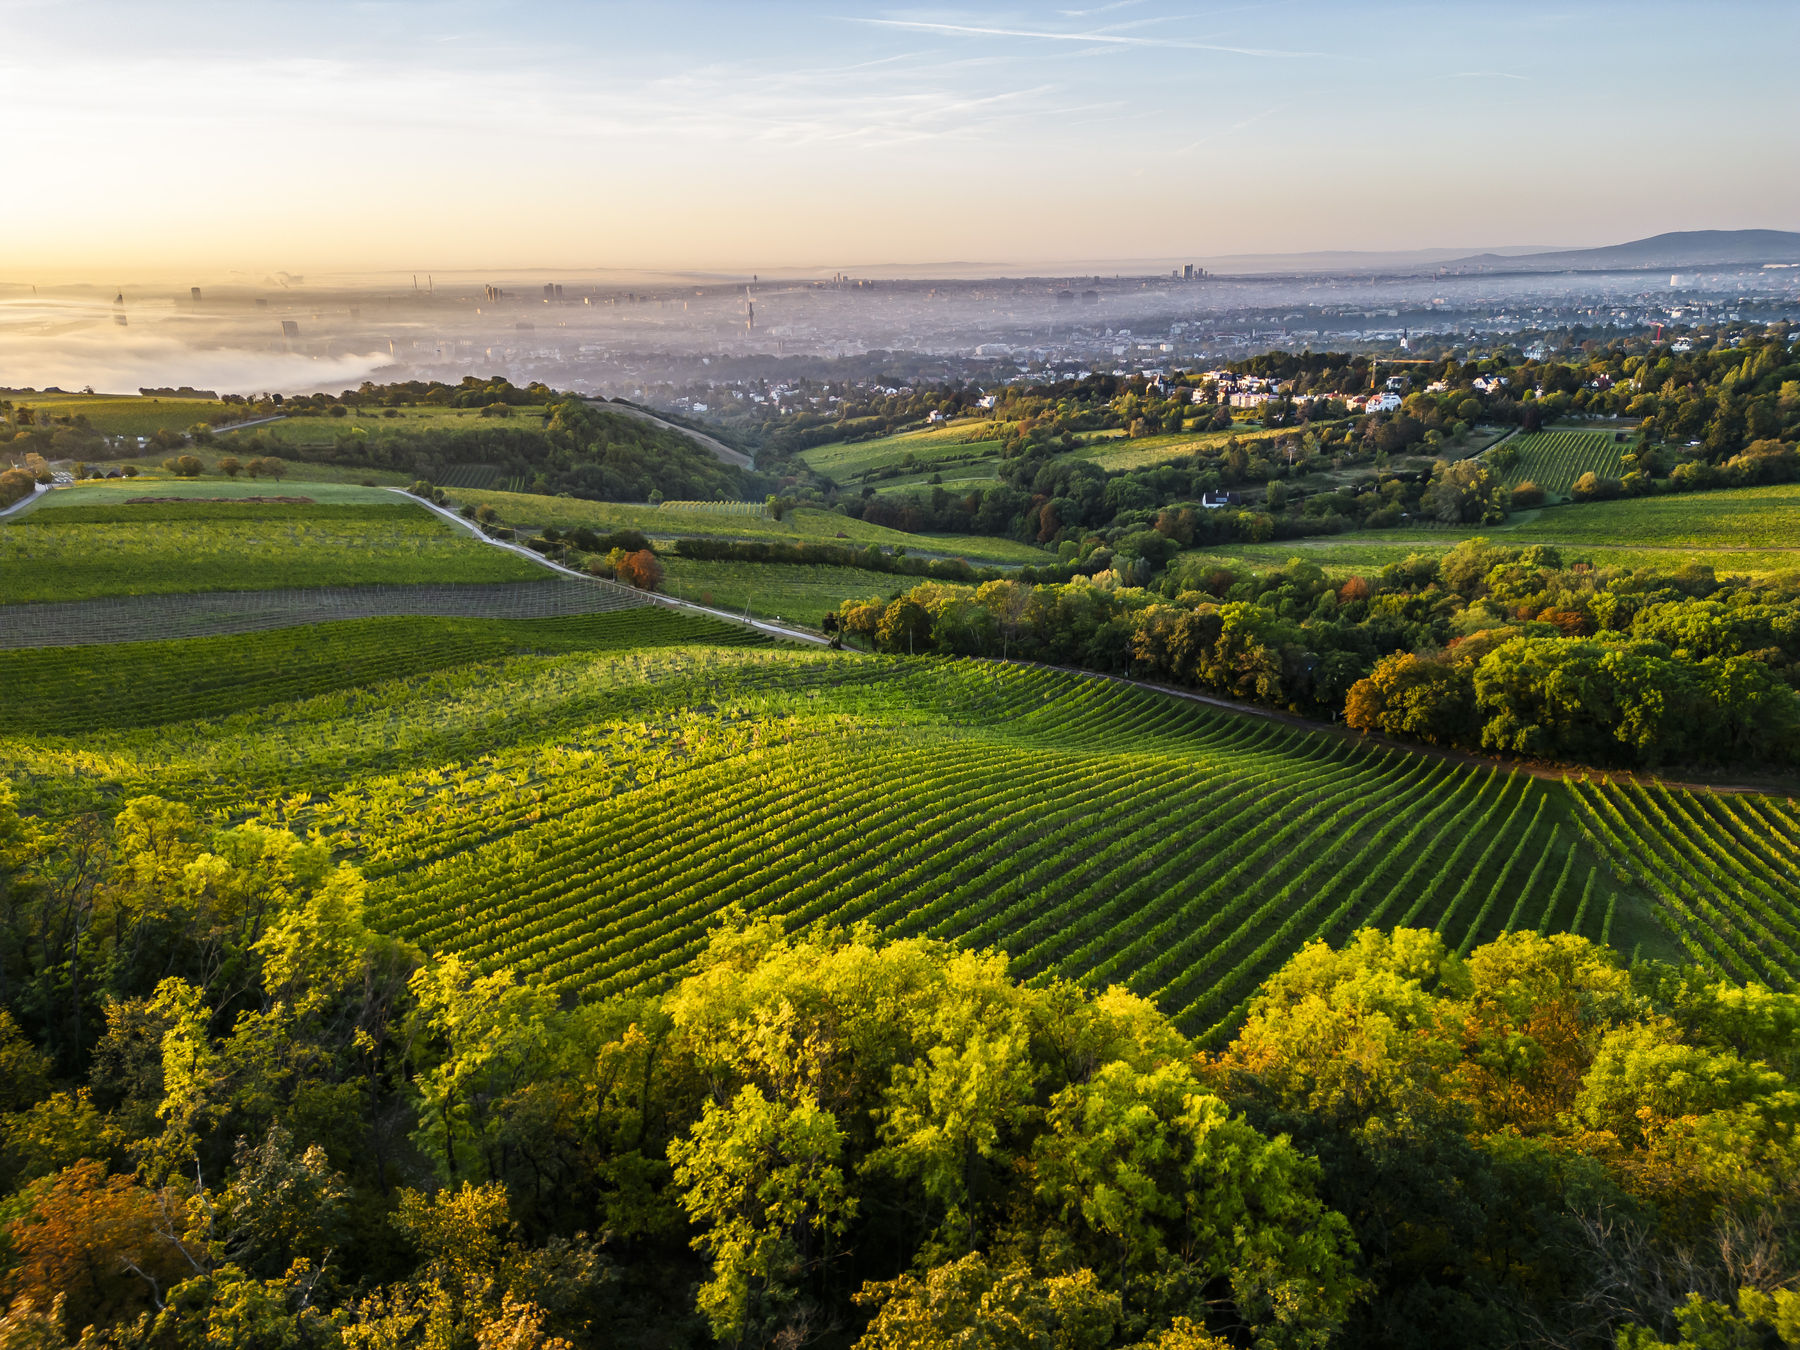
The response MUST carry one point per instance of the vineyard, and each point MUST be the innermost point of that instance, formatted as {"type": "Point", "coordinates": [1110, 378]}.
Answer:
{"type": "Point", "coordinates": [745, 510]}
{"type": "Point", "coordinates": [78, 689]}
{"type": "Point", "coordinates": [85, 551]}
{"type": "Point", "coordinates": [148, 618]}
{"type": "Point", "coordinates": [1555, 459]}
{"type": "Point", "coordinates": [1720, 868]}
{"type": "Point", "coordinates": [583, 798]}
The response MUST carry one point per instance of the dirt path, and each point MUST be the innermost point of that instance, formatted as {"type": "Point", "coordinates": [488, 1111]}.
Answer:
{"type": "Point", "coordinates": [653, 597]}
{"type": "Point", "coordinates": [26, 501]}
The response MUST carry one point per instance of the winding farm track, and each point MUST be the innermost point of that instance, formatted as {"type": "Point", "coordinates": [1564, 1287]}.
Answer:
{"type": "Point", "coordinates": [25, 501]}
{"type": "Point", "coordinates": [650, 597]}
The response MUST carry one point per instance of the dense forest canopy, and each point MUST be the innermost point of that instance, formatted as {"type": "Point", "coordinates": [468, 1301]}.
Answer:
{"type": "Point", "coordinates": [233, 1115]}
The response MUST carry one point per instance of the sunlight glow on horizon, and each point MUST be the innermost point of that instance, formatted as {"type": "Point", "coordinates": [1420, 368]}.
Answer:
{"type": "Point", "coordinates": [393, 136]}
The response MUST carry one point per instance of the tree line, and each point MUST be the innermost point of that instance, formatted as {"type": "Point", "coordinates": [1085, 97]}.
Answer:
{"type": "Point", "coordinates": [1498, 650]}
{"type": "Point", "coordinates": [233, 1113]}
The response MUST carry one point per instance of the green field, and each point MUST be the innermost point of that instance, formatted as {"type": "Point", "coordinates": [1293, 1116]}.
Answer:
{"type": "Point", "coordinates": [963, 464]}
{"type": "Point", "coordinates": [1749, 531]}
{"type": "Point", "coordinates": [129, 415]}
{"type": "Point", "coordinates": [776, 590]}
{"type": "Point", "coordinates": [141, 684]}
{"type": "Point", "coordinates": [117, 491]}
{"type": "Point", "coordinates": [528, 511]}
{"type": "Point", "coordinates": [1555, 459]}
{"type": "Point", "coordinates": [964, 442]}
{"type": "Point", "coordinates": [82, 548]}
{"type": "Point", "coordinates": [320, 431]}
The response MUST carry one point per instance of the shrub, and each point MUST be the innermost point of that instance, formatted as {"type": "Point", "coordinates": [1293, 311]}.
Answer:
{"type": "Point", "coordinates": [1528, 495]}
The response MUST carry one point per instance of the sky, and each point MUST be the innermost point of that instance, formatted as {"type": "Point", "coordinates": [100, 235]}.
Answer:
{"type": "Point", "coordinates": [339, 136]}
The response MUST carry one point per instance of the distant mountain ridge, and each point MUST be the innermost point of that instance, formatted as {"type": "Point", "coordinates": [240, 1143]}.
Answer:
{"type": "Point", "coordinates": [1678, 248]}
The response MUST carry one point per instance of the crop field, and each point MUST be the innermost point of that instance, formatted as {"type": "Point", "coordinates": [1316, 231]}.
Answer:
{"type": "Point", "coordinates": [1119, 452]}
{"type": "Point", "coordinates": [1721, 869]}
{"type": "Point", "coordinates": [128, 415]}
{"type": "Point", "coordinates": [743, 510]}
{"type": "Point", "coordinates": [79, 551]}
{"type": "Point", "coordinates": [791, 591]}
{"type": "Point", "coordinates": [962, 442]}
{"type": "Point", "coordinates": [1750, 531]}
{"type": "Point", "coordinates": [299, 431]}
{"type": "Point", "coordinates": [134, 684]}
{"type": "Point", "coordinates": [1555, 459]}
{"type": "Point", "coordinates": [584, 813]}
{"type": "Point", "coordinates": [963, 462]}
{"type": "Point", "coordinates": [116, 492]}
{"type": "Point", "coordinates": [531, 511]}
{"type": "Point", "coordinates": [149, 618]}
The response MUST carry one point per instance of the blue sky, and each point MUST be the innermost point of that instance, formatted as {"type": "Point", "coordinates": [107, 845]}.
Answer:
{"type": "Point", "coordinates": [329, 135]}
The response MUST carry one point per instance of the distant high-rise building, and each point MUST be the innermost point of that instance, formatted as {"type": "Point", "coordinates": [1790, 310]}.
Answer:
{"type": "Point", "coordinates": [290, 328]}
{"type": "Point", "coordinates": [194, 293]}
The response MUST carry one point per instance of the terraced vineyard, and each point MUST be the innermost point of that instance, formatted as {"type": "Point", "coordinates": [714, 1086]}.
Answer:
{"type": "Point", "coordinates": [1555, 459]}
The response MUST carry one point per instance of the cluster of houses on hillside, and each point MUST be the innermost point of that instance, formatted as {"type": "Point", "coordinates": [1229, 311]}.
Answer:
{"type": "Point", "coordinates": [1252, 391]}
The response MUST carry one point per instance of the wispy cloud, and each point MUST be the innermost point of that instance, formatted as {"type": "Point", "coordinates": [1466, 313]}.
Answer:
{"type": "Point", "coordinates": [1092, 36]}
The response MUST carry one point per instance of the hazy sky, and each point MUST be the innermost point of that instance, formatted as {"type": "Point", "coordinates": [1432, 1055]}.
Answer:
{"type": "Point", "coordinates": [317, 136]}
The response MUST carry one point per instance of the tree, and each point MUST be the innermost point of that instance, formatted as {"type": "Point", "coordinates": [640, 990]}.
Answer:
{"type": "Point", "coordinates": [969, 1303]}
{"type": "Point", "coordinates": [641, 568]}
{"type": "Point", "coordinates": [1414, 697]}
{"type": "Point", "coordinates": [1165, 1184]}
{"type": "Point", "coordinates": [1462, 492]}
{"type": "Point", "coordinates": [229, 465]}
{"type": "Point", "coordinates": [761, 1181]}
{"type": "Point", "coordinates": [905, 626]}
{"type": "Point", "coordinates": [99, 1244]}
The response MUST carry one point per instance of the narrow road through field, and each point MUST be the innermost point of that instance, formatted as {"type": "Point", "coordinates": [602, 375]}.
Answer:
{"type": "Point", "coordinates": [710, 444]}
{"type": "Point", "coordinates": [650, 597]}
{"type": "Point", "coordinates": [253, 422]}
{"type": "Point", "coordinates": [27, 500]}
